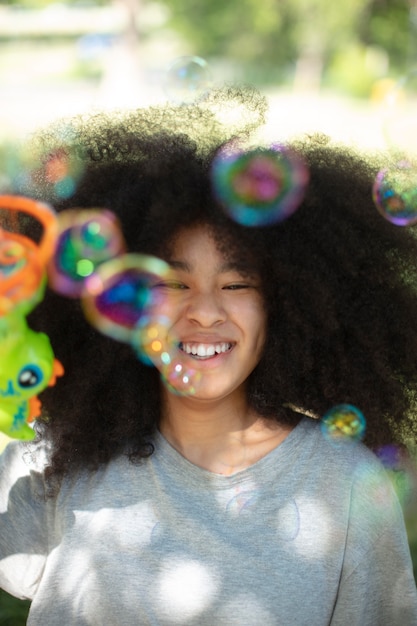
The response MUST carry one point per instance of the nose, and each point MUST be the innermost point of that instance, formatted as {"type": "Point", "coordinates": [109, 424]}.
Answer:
{"type": "Point", "coordinates": [206, 310]}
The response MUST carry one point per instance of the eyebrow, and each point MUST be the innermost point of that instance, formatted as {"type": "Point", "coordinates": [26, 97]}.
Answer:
{"type": "Point", "coordinates": [179, 265]}
{"type": "Point", "coordinates": [228, 266]}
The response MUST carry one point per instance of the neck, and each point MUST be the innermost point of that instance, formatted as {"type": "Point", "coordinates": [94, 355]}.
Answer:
{"type": "Point", "coordinates": [222, 437]}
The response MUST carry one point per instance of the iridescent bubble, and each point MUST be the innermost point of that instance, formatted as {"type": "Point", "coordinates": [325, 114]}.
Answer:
{"type": "Point", "coordinates": [121, 292]}
{"type": "Point", "coordinates": [343, 421]}
{"type": "Point", "coordinates": [395, 193]}
{"type": "Point", "coordinates": [86, 239]}
{"type": "Point", "coordinates": [60, 167]}
{"type": "Point", "coordinates": [40, 172]}
{"type": "Point", "coordinates": [180, 379]}
{"type": "Point", "coordinates": [260, 186]}
{"type": "Point", "coordinates": [242, 502]}
{"type": "Point", "coordinates": [187, 79]}
{"type": "Point", "coordinates": [155, 344]}
{"type": "Point", "coordinates": [150, 340]}
{"type": "Point", "coordinates": [400, 121]}
{"type": "Point", "coordinates": [401, 469]}
{"type": "Point", "coordinates": [390, 456]}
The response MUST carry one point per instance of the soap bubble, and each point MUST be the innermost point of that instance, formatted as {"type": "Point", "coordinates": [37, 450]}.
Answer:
{"type": "Point", "coordinates": [156, 345]}
{"type": "Point", "coordinates": [187, 79]}
{"type": "Point", "coordinates": [180, 379]}
{"type": "Point", "coordinates": [150, 340]}
{"type": "Point", "coordinates": [121, 291]}
{"type": "Point", "coordinates": [400, 120]}
{"type": "Point", "coordinates": [395, 193]}
{"type": "Point", "coordinates": [86, 239]}
{"type": "Point", "coordinates": [34, 169]}
{"type": "Point", "coordinates": [61, 171]}
{"type": "Point", "coordinates": [343, 421]}
{"type": "Point", "coordinates": [260, 186]}
{"type": "Point", "coordinates": [52, 171]}
{"type": "Point", "coordinates": [401, 469]}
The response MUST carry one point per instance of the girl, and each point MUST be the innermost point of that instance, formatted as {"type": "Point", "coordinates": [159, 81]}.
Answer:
{"type": "Point", "coordinates": [138, 504]}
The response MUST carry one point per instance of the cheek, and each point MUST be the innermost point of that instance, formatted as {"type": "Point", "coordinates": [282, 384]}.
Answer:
{"type": "Point", "coordinates": [166, 306]}
{"type": "Point", "coordinates": [257, 324]}
{"type": "Point", "coordinates": [262, 327]}
{"type": "Point", "coordinates": [261, 338]}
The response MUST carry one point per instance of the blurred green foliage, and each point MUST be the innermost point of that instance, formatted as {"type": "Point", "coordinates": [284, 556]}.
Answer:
{"type": "Point", "coordinates": [349, 44]}
{"type": "Point", "coordinates": [13, 612]}
{"type": "Point", "coordinates": [346, 45]}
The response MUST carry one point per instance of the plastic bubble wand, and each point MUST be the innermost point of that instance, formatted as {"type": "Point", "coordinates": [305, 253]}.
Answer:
{"type": "Point", "coordinates": [27, 362]}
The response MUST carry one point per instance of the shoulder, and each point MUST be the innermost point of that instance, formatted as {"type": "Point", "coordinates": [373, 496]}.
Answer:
{"type": "Point", "coordinates": [345, 466]}
{"type": "Point", "coordinates": [26, 456]}
{"type": "Point", "coordinates": [22, 466]}
{"type": "Point", "coordinates": [346, 453]}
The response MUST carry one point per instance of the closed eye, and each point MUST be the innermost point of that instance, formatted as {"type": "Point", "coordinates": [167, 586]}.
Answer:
{"type": "Point", "coordinates": [170, 284]}
{"type": "Point", "coordinates": [236, 286]}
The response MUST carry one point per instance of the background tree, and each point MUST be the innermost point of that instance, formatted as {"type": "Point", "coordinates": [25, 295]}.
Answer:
{"type": "Point", "coordinates": [305, 40]}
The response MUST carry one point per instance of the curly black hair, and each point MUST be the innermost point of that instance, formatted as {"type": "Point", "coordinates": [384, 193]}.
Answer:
{"type": "Point", "coordinates": [338, 281]}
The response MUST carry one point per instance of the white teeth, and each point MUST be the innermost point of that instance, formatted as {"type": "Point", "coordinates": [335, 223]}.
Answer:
{"type": "Point", "coordinates": [204, 350]}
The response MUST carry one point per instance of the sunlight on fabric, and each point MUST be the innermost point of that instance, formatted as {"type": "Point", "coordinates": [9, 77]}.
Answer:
{"type": "Point", "coordinates": [187, 587]}
{"type": "Point", "coordinates": [101, 529]}
{"type": "Point", "coordinates": [315, 537]}
{"type": "Point", "coordinates": [137, 521]}
{"type": "Point", "coordinates": [32, 565]}
{"type": "Point", "coordinates": [80, 575]}
{"type": "Point", "coordinates": [246, 609]}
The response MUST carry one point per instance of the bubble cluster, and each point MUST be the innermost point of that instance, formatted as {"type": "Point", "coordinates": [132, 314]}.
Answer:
{"type": "Point", "coordinates": [395, 193]}
{"type": "Point", "coordinates": [86, 239]}
{"type": "Point", "coordinates": [187, 79]}
{"type": "Point", "coordinates": [121, 292]}
{"type": "Point", "coordinates": [260, 186]}
{"type": "Point", "coordinates": [343, 421]}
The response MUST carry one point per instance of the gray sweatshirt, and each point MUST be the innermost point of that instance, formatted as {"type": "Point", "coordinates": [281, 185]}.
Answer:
{"type": "Point", "coordinates": [311, 535]}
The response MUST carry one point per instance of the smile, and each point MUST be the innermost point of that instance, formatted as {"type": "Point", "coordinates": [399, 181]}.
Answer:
{"type": "Point", "coordinates": [205, 350]}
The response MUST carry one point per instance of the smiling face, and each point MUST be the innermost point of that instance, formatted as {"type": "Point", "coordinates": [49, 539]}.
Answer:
{"type": "Point", "coordinates": [216, 315]}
